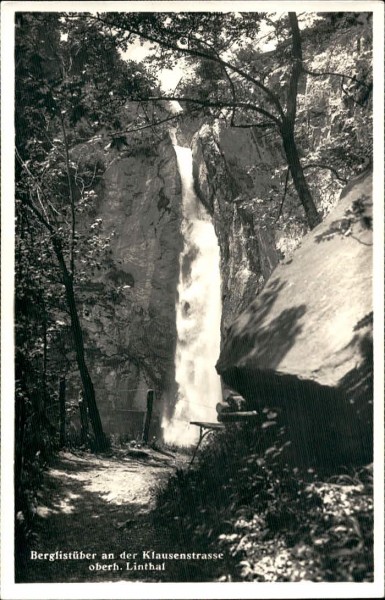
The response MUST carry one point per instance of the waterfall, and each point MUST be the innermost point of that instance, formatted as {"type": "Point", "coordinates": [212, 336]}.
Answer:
{"type": "Point", "coordinates": [198, 316]}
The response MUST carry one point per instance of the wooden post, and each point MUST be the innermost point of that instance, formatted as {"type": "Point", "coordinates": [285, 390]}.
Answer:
{"type": "Point", "coordinates": [83, 419]}
{"type": "Point", "coordinates": [147, 422]}
{"type": "Point", "coordinates": [62, 411]}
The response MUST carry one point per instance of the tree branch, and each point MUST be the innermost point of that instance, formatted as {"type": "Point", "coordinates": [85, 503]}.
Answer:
{"type": "Point", "coordinates": [323, 166]}
{"type": "Point", "coordinates": [343, 77]}
{"type": "Point", "coordinates": [31, 175]}
{"type": "Point", "coordinates": [332, 73]}
{"type": "Point", "coordinates": [219, 104]}
{"type": "Point", "coordinates": [263, 125]}
{"type": "Point", "coordinates": [42, 216]}
{"type": "Point", "coordinates": [150, 122]}
{"type": "Point", "coordinates": [71, 197]}
{"type": "Point", "coordinates": [118, 133]}
{"type": "Point", "coordinates": [273, 99]}
{"type": "Point", "coordinates": [38, 214]}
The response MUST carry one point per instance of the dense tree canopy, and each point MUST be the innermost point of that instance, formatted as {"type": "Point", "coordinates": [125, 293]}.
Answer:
{"type": "Point", "coordinates": [232, 77]}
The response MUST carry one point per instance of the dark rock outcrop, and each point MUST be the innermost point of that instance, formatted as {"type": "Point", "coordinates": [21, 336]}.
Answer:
{"type": "Point", "coordinates": [304, 345]}
{"type": "Point", "coordinates": [223, 160]}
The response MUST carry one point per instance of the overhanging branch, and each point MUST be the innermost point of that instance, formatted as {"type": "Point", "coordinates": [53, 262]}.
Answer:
{"type": "Point", "coordinates": [334, 74]}
{"type": "Point", "coordinates": [147, 126]}
{"type": "Point", "coordinates": [219, 104]}
{"type": "Point", "coordinates": [273, 99]}
{"type": "Point", "coordinates": [323, 166]}
{"type": "Point", "coordinates": [264, 125]}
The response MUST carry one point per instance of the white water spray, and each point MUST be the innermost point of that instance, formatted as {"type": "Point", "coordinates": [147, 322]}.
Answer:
{"type": "Point", "coordinates": [198, 316]}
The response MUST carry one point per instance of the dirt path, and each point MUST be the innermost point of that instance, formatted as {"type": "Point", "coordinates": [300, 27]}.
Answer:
{"type": "Point", "coordinates": [99, 505]}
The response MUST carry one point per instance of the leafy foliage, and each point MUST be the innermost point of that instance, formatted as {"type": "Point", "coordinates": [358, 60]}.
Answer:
{"type": "Point", "coordinates": [333, 121]}
{"type": "Point", "coordinates": [271, 521]}
{"type": "Point", "coordinates": [232, 77]}
{"type": "Point", "coordinates": [69, 98]}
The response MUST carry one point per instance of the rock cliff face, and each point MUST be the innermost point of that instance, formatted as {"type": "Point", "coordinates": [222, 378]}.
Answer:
{"type": "Point", "coordinates": [240, 172]}
{"type": "Point", "coordinates": [227, 164]}
{"type": "Point", "coordinates": [304, 345]}
{"type": "Point", "coordinates": [131, 334]}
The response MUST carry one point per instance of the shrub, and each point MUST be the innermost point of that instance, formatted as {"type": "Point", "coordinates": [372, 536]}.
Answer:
{"type": "Point", "coordinates": [272, 521]}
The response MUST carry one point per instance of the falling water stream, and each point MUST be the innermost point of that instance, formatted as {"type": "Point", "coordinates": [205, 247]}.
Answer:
{"type": "Point", "coordinates": [198, 315]}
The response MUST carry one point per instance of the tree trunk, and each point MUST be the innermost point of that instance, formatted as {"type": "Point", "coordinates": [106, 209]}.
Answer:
{"type": "Point", "coordinates": [299, 180]}
{"type": "Point", "coordinates": [288, 124]}
{"type": "Point", "coordinates": [83, 420]}
{"type": "Point", "coordinates": [44, 374]}
{"type": "Point", "coordinates": [88, 388]}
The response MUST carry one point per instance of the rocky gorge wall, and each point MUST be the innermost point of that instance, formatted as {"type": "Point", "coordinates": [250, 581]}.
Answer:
{"type": "Point", "coordinates": [240, 172]}
{"type": "Point", "coordinates": [128, 310]}
{"type": "Point", "coordinates": [229, 166]}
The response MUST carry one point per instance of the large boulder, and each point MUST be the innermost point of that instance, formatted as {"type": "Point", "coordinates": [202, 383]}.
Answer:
{"type": "Point", "coordinates": [304, 345]}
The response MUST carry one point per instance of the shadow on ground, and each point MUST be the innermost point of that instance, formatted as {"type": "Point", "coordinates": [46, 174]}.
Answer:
{"type": "Point", "coordinates": [98, 505]}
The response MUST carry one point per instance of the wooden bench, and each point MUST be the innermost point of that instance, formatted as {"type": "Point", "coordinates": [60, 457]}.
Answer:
{"type": "Point", "coordinates": [204, 429]}
{"type": "Point", "coordinates": [225, 418]}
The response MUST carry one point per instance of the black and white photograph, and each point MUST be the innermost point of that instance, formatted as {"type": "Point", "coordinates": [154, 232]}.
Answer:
{"type": "Point", "coordinates": [192, 226]}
